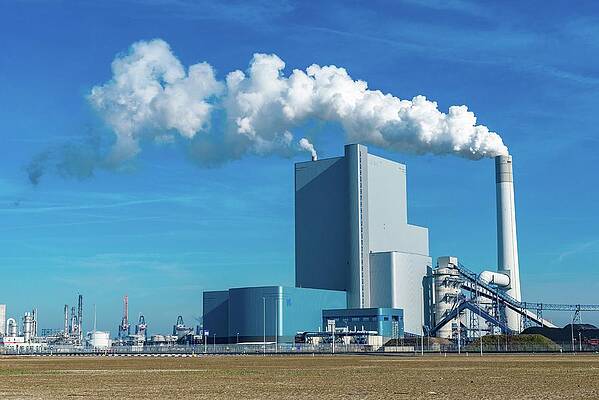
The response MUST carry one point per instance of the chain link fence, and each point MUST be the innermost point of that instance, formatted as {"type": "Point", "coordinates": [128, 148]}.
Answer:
{"type": "Point", "coordinates": [414, 347]}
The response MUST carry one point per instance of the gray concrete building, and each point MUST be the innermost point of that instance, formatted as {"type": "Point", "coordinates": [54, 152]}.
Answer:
{"type": "Point", "coordinates": [352, 234]}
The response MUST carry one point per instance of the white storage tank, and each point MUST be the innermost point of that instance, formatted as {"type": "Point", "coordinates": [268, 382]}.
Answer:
{"type": "Point", "coordinates": [99, 340]}
{"type": "Point", "coordinates": [11, 327]}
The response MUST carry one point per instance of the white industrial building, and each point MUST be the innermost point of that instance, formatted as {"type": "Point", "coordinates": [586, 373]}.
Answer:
{"type": "Point", "coordinates": [352, 234]}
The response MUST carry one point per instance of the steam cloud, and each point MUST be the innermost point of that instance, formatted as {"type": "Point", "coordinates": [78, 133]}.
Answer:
{"type": "Point", "coordinates": [153, 97]}
{"type": "Point", "coordinates": [76, 160]}
{"type": "Point", "coordinates": [306, 145]}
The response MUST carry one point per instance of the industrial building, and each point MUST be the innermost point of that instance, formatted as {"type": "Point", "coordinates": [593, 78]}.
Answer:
{"type": "Point", "coordinates": [387, 322]}
{"type": "Point", "coordinates": [20, 340]}
{"type": "Point", "coordinates": [267, 313]}
{"type": "Point", "coordinates": [494, 304]}
{"type": "Point", "coordinates": [352, 237]}
{"type": "Point", "coordinates": [363, 276]}
{"type": "Point", "coordinates": [354, 249]}
{"type": "Point", "coordinates": [352, 234]}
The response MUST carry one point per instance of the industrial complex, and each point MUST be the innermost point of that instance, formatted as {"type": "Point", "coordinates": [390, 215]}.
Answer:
{"type": "Point", "coordinates": [354, 246]}
{"type": "Point", "coordinates": [354, 249]}
{"type": "Point", "coordinates": [363, 277]}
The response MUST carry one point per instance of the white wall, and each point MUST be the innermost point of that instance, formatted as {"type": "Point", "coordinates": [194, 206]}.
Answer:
{"type": "Point", "coordinates": [396, 281]}
{"type": "Point", "coordinates": [387, 210]}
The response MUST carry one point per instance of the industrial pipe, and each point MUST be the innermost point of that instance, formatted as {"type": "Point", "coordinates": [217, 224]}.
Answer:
{"type": "Point", "coordinates": [495, 278]}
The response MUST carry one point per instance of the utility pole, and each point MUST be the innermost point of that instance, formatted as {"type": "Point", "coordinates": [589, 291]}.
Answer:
{"type": "Point", "coordinates": [480, 336]}
{"type": "Point", "coordinates": [572, 328]}
{"type": "Point", "coordinates": [422, 322]}
{"type": "Point", "coordinates": [333, 344]}
{"type": "Point", "coordinates": [459, 334]}
{"type": "Point", "coordinates": [264, 323]}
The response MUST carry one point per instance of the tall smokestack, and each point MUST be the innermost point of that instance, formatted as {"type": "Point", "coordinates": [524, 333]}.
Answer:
{"type": "Point", "coordinates": [80, 318]}
{"type": "Point", "coordinates": [507, 243]}
{"type": "Point", "coordinates": [66, 321]}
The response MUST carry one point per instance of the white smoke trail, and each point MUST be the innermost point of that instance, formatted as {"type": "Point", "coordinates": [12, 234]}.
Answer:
{"type": "Point", "coordinates": [309, 147]}
{"type": "Point", "coordinates": [151, 94]}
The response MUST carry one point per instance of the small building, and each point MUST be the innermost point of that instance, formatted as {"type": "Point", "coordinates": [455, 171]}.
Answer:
{"type": "Point", "coordinates": [266, 313]}
{"type": "Point", "coordinates": [388, 322]}
{"type": "Point", "coordinates": [18, 343]}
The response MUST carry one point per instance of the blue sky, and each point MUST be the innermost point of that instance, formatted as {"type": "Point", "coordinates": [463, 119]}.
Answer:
{"type": "Point", "coordinates": [163, 229]}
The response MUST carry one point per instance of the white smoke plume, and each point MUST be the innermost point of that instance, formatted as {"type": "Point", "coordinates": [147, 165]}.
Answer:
{"type": "Point", "coordinates": [309, 147]}
{"type": "Point", "coordinates": [152, 96]}
{"type": "Point", "coordinates": [76, 159]}
{"type": "Point", "coordinates": [151, 93]}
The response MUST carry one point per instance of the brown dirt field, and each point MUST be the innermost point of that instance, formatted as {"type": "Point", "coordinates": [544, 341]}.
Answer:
{"type": "Point", "coordinates": [301, 377]}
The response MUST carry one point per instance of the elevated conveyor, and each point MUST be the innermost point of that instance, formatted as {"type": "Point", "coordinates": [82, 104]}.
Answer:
{"type": "Point", "coordinates": [529, 311]}
{"type": "Point", "coordinates": [469, 305]}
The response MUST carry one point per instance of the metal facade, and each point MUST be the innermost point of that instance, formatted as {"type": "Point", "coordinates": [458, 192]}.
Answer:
{"type": "Point", "coordinates": [400, 282]}
{"type": "Point", "coordinates": [388, 322]}
{"type": "Point", "coordinates": [321, 224]}
{"type": "Point", "coordinates": [216, 313]}
{"type": "Point", "coordinates": [347, 210]}
{"type": "Point", "coordinates": [274, 313]}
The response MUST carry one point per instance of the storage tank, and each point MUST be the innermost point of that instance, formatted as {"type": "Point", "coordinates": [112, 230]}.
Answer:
{"type": "Point", "coordinates": [448, 285]}
{"type": "Point", "coordinates": [11, 327]}
{"type": "Point", "coordinates": [99, 340]}
{"type": "Point", "coordinates": [495, 278]}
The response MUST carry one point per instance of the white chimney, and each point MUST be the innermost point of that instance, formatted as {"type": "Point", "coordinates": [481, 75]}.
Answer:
{"type": "Point", "coordinates": [507, 243]}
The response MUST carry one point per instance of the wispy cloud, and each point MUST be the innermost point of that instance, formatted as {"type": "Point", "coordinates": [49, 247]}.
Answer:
{"type": "Point", "coordinates": [502, 47]}
{"type": "Point", "coordinates": [461, 6]}
{"type": "Point", "coordinates": [589, 246]}
{"type": "Point", "coordinates": [119, 221]}
{"type": "Point", "coordinates": [247, 13]}
{"type": "Point", "coordinates": [29, 210]}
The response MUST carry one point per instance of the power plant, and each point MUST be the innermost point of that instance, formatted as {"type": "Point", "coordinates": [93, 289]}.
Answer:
{"type": "Point", "coordinates": [354, 245]}
{"type": "Point", "coordinates": [363, 277]}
